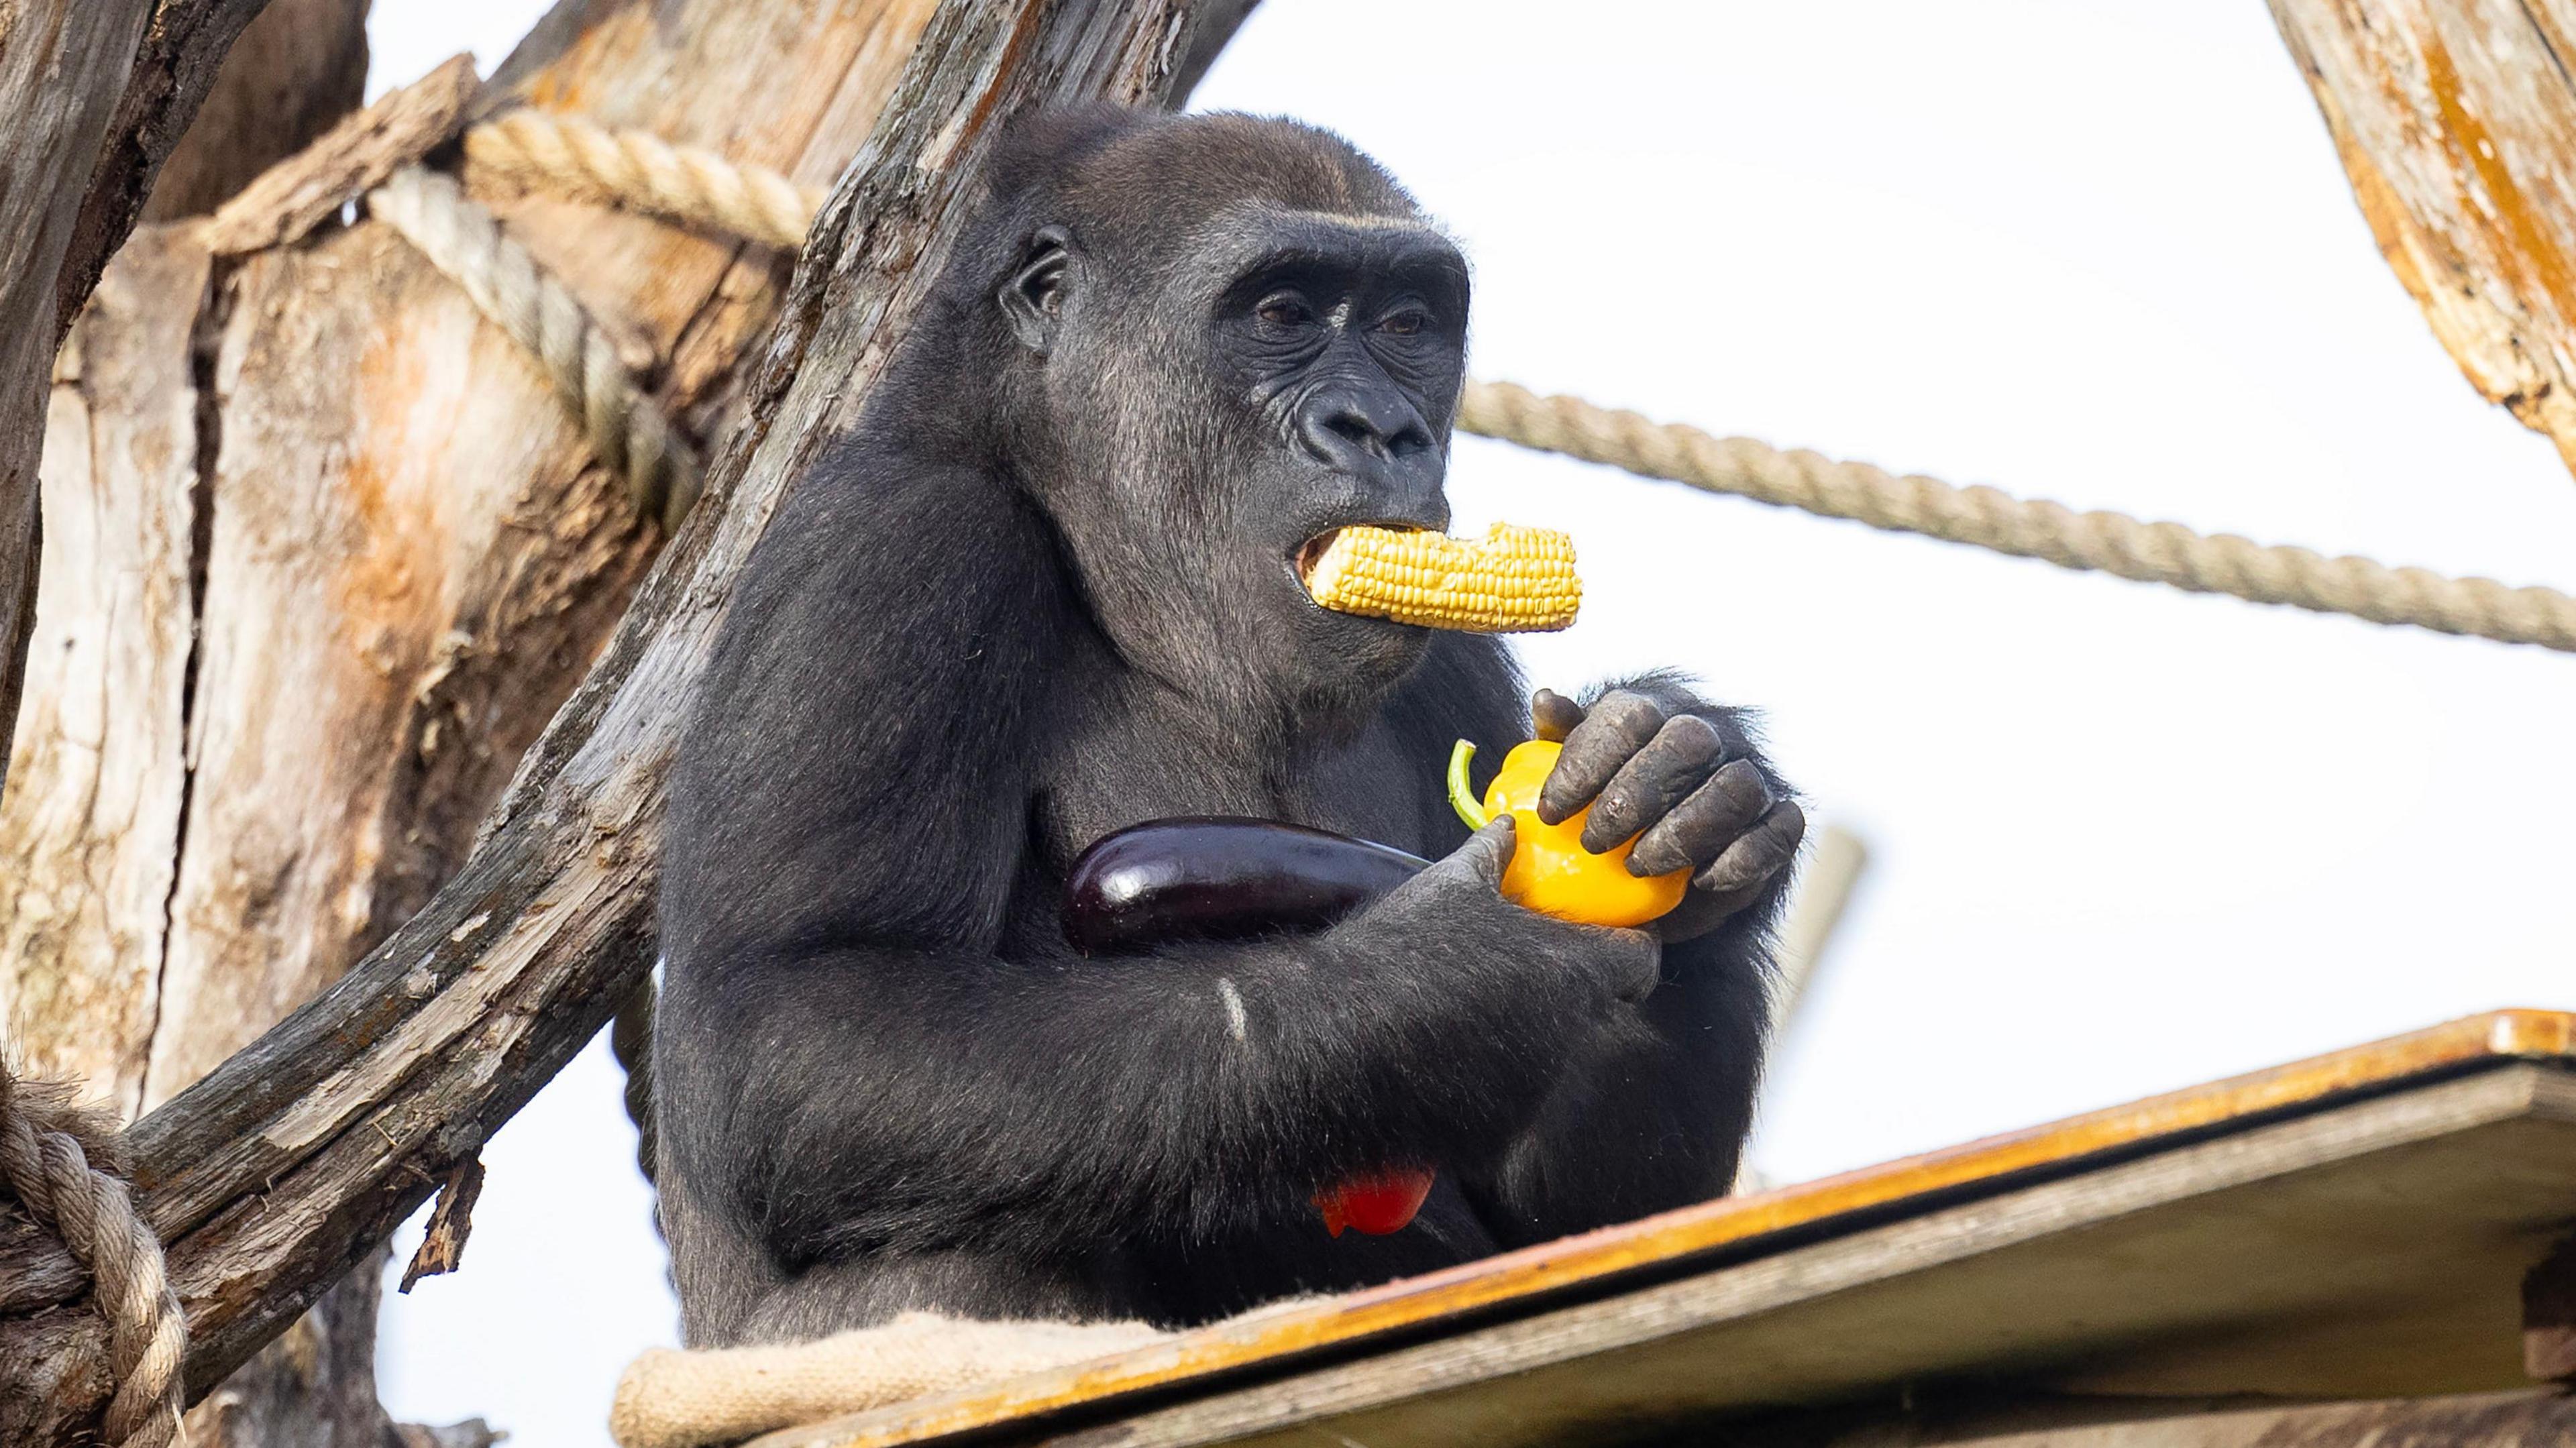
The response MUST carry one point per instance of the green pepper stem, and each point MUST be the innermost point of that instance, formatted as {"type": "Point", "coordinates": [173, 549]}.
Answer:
{"type": "Point", "coordinates": [1462, 798]}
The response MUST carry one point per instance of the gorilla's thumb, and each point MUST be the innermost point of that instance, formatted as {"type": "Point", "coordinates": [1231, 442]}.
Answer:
{"type": "Point", "coordinates": [1487, 851]}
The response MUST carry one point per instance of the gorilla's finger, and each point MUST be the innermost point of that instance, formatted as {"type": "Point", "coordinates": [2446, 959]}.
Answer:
{"type": "Point", "coordinates": [1765, 851]}
{"type": "Point", "coordinates": [1699, 829]}
{"type": "Point", "coordinates": [1617, 725]}
{"type": "Point", "coordinates": [1553, 716]}
{"type": "Point", "coordinates": [1486, 852]}
{"type": "Point", "coordinates": [1654, 779]}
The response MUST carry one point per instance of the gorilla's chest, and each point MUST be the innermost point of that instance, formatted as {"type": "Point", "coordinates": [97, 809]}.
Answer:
{"type": "Point", "coordinates": [1136, 772]}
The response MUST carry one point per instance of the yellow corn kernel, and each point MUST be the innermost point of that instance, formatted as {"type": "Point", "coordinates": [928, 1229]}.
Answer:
{"type": "Point", "coordinates": [1513, 580]}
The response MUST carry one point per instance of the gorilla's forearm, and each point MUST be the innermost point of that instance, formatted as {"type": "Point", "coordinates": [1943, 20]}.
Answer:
{"type": "Point", "coordinates": [1048, 1107]}
{"type": "Point", "coordinates": [1654, 1117]}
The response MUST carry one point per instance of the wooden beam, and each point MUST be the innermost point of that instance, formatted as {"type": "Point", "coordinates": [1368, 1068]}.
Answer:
{"type": "Point", "coordinates": [2456, 122]}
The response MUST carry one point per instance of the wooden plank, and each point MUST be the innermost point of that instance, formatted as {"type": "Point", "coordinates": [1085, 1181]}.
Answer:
{"type": "Point", "coordinates": [2456, 123]}
{"type": "Point", "coordinates": [1276, 1341]}
{"type": "Point", "coordinates": [2374, 1248]}
{"type": "Point", "coordinates": [2525, 1419]}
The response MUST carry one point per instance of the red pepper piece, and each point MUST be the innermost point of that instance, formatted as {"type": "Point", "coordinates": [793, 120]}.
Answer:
{"type": "Point", "coordinates": [1376, 1203]}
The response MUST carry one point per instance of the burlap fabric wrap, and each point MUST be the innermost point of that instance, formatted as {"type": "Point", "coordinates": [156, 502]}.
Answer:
{"type": "Point", "coordinates": [673, 1399]}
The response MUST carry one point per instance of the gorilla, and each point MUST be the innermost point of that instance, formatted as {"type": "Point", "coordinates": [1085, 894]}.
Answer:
{"type": "Point", "coordinates": [1047, 588]}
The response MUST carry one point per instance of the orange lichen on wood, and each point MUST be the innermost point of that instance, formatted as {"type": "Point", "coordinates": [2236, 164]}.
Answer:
{"type": "Point", "coordinates": [2456, 122]}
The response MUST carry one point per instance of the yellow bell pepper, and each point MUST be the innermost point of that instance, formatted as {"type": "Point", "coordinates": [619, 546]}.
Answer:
{"type": "Point", "coordinates": [1550, 871]}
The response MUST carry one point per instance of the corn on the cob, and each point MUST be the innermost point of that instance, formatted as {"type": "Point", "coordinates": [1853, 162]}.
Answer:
{"type": "Point", "coordinates": [1514, 580]}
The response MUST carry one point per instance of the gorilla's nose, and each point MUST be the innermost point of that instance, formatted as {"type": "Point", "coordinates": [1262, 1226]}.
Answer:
{"type": "Point", "coordinates": [1361, 430]}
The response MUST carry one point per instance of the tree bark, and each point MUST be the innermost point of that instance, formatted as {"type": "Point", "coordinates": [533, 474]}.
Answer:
{"type": "Point", "coordinates": [298, 68]}
{"type": "Point", "coordinates": [2456, 122]}
{"type": "Point", "coordinates": [281, 1171]}
{"type": "Point", "coordinates": [96, 91]}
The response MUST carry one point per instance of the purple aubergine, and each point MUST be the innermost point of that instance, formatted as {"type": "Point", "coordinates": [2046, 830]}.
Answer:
{"type": "Point", "coordinates": [1216, 878]}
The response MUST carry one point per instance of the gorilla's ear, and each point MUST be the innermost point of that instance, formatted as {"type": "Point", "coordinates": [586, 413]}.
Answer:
{"type": "Point", "coordinates": [1033, 298]}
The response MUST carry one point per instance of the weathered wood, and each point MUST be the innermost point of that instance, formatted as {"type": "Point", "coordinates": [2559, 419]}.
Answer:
{"type": "Point", "coordinates": [2371, 1249]}
{"type": "Point", "coordinates": [62, 63]}
{"type": "Point", "coordinates": [1212, 27]}
{"type": "Point", "coordinates": [181, 50]}
{"type": "Point", "coordinates": [2456, 122]}
{"type": "Point", "coordinates": [98, 766]}
{"type": "Point", "coordinates": [308, 188]}
{"type": "Point", "coordinates": [2002, 1419]}
{"type": "Point", "coordinates": [2549, 1315]}
{"type": "Point", "coordinates": [295, 70]}
{"type": "Point", "coordinates": [279, 1171]}
{"type": "Point", "coordinates": [95, 92]}
{"type": "Point", "coordinates": [1272, 1351]}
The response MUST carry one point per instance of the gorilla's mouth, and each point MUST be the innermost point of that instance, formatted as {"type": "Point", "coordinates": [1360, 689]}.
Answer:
{"type": "Point", "coordinates": [1312, 551]}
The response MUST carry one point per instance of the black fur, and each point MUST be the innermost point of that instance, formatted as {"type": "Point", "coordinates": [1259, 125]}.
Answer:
{"type": "Point", "coordinates": [1043, 592]}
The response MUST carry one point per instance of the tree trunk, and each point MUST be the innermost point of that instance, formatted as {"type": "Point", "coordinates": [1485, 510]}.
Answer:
{"type": "Point", "coordinates": [395, 553]}
{"type": "Point", "coordinates": [299, 67]}
{"type": "Point", "coordinates": [2456, 121]}
{"type": "Point", "coordinates": [95, 92]}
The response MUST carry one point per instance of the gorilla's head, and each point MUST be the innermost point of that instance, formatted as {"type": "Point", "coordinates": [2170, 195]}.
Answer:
{"type": "Point", "coordinates": [1215, 340]}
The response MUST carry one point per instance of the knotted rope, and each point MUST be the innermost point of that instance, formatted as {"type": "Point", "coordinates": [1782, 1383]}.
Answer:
{"type": "Point", "coordinates": [574, 158]}
{"type": "Point", "coordinates": [45, 1167]}
{"type": "Point", "coordinates": [626, 430]}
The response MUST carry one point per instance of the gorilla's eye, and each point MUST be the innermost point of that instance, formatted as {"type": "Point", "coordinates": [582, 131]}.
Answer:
{"type": "Point", "coordinates": [1405, 323]}
{"type": "Point", "coordinates": [1284, 309]}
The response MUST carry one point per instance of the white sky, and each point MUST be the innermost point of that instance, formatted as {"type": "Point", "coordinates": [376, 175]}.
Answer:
{"type": "Point", "coordinates": [2126, 839]}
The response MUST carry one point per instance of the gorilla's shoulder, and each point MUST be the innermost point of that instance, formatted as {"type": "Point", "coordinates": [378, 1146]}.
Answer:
{"type": "Point", "coordinates": [890, 561]}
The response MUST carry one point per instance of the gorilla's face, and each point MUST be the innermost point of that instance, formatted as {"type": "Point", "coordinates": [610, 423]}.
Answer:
{"type": "Point", "coordinates": [1224, 397]}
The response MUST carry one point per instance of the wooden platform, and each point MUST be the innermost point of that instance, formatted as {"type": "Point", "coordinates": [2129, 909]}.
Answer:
{"type": "Point", "coordinates": [2353, 1226]}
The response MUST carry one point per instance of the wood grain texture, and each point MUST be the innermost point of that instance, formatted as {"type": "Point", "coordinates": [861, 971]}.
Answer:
{"type": "Point", "coordinates": [2456, 123]}
{"type": "Point", "coordinates": [63, 64]}
{"type": "Point", "coordinates": [295, 70]}
{"type": "Point", "coordinates": [1277, 1343]}
{"type": "Point", "coordinates": [172, 67]}
{"type": "Point", "coordinates": [308, 188]}
{"type": "Point", "coordinates": [277, 1173]}
{"type": "Point", "coordinates": [98, 766]}
{"type": "Point", "coordinates": [96, 92]}
{"type": "Point", "coordinates": [2370, 1248]}
{"type": "Point", "coordinates": [1993, 1419]}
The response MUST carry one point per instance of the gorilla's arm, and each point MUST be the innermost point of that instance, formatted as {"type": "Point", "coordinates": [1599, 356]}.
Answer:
{"type": "Point", "coordinates": [847, 1060]}
{"type": "Point", "coordinates": [909, 1099]}
{"type": "Point", "coordinates": [1653, 1115]}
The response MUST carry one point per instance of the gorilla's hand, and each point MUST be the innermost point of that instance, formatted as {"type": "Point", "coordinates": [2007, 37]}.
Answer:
{"type": "Point", "coordinates": [1667, 777]}
{"type": "Point", "coordinates": [1460, 897]}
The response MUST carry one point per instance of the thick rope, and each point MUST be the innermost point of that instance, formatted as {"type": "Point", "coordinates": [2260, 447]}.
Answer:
{"type": "Point", "coordinates": [626, 431]}
{"type": "Point", "coordinates": [575, 158]}
{"type": "Point", "coordinates": [571, 157]}
{"type": "Point", "coordinates": [46, 1169]}
{"type": "Point", "coordinates": [2166, 553]}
